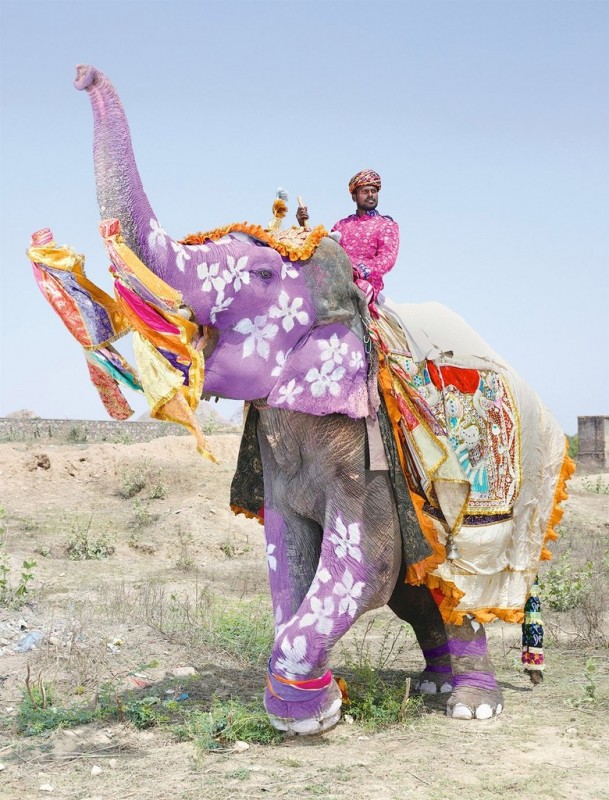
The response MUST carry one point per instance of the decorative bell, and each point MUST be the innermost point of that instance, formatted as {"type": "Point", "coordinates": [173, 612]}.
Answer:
{"type": "Point", "coordinates": [451, 549]}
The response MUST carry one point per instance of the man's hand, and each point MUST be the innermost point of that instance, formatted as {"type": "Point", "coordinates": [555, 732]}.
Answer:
{"type": "Point", "coordinates": [302, 215]}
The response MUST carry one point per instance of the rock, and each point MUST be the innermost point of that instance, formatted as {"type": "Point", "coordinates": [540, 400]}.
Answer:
{"type": "Point", "coordinates": [241, 747]}
{"type": "Point", "coordinates": [46, 787]}
{"type": "Point", "coordinates": [183, 672]}
{"type": "Point", "coordinates": [95, 770]}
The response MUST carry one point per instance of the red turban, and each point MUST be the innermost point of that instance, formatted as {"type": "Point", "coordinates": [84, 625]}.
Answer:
{"type": "Point", "coordinates": [367, 177]}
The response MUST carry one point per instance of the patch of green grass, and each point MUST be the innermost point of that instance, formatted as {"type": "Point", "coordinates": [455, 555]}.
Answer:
{"type": "Point", "coordinates": [378, 700]}
{"type": "Point", "coordinates": [226, 722]}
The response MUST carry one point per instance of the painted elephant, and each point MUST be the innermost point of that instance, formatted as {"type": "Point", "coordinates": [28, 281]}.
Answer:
{"type": "Point", "coordinates": [344, 530]}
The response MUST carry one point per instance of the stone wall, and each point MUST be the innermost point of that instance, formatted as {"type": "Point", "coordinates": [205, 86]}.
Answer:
{"type": "Point", "coordinates": [593, 434]}
{"type": "Point", "coordinates": [75, 431]}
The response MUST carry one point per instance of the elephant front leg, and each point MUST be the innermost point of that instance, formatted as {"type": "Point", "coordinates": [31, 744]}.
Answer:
{"type": "Point", "coordinates": [476, 693]}
{"type": "Point", "coordinates": [354, 573]}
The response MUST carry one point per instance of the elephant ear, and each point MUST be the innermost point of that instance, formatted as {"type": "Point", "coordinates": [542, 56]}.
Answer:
{"type": "Point", "coordinates": [324, 374]}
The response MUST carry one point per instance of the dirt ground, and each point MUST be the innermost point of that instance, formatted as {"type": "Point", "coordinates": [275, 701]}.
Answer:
{"type": "Point", "coordinates": [178, 536]}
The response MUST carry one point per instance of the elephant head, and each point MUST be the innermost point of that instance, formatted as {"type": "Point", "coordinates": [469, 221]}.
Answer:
{"type": "Point", "coordinates": [286, 331]}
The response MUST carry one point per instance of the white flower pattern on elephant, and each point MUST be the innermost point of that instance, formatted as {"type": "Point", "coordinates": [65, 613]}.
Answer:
{"type": "Point", "coordinates": [157, 236]}
{"type": "Point", "coordinates": [349, 591]}
{"type": "Point", "coordinates": [321, 576]}
{"type": "Point", "coordinates": [280, 360]}
{"type": "Point", "coordinates": [280, 625]}
{"type": "Point", "coordinates": [357, 360]}
{"type": "Point", "coordinates": [333, 349]}
{"type": "Point", "coordinates": [270, 558]}
{"type": "Point", "coordinates": [293, 662]}
{"type": "Point", "coordinates": [320, 615]}
{"type": "Point", "coordinates": [236, 274]}
{"type": "Point", "coordinates": [209, 274]}
{"type": "Point", "coordinates": [288, 270]}
{"type": "Point", "coordinates": [347, 540]}
{"type": "Point", "coordinates": [323, 380]}
{"type": "Point", "coordinates": [182, 255]}
{"type": "Point", "coordinates": [222, 303]}
{"type": "Point", "coordinates": [287, 394]}
{"type": "Point", "coordinates": [289, 310]}
{"type": "Point", "coordinates": [258, 334]}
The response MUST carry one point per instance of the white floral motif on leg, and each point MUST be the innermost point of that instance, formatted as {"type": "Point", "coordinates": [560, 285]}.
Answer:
{"type": "Point", "coordinates": [270, 558]}
{"type": "Point", "coordinates": [293, 662]}
{"type": "Point", "coordinates": [321, 576]}
{"type": "Point", "coordinates": [349, 592]}
{"type": "Point", "coordinates": [258, 333]}
{"type": "Point", "coordinates": [325, 379]}
{"type": "Point", "coordinates": [347, 540]}
{"type": "Point", "coordinates": [320, 615]}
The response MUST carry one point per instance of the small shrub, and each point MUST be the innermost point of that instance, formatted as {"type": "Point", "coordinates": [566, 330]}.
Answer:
{"type": "Point", "coordinates": [77, 434]}
{"type": "Point", "coordinates": [83, 546]}
{"type": "Point", "coordinates": [565, 586]}
{"type": "Point", "coordinates": [142, 516]}
{"type": "Point", "coordinates": [597, 486]}
{"type": "Point", "coordinates": [137, 478]}
{"type": "Point", "coordinates": [12, 595]}
{"type": "Point", "coordinates": [573, 448]}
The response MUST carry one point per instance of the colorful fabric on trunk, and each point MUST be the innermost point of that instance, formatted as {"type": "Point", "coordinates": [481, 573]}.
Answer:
{"type": "Point", "coordinates": [532, 631]}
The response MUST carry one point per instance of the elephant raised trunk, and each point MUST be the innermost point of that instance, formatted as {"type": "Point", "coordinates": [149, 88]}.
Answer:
{"type": "Point", "coordinates": [120, 193]}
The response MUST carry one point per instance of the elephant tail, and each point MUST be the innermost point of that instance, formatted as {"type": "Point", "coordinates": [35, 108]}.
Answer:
{"type": "Point", "coordinates": [532, 636]}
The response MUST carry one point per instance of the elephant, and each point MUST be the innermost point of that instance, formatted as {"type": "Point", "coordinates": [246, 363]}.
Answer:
{"type": "Point", "coordinates": [344, 530]}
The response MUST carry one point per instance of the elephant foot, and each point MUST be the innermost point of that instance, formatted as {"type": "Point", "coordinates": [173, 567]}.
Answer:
{"type": "Point", "coordinates": [431, 682]}
{"type": "Point", "coordinates": [303, 707]}
{"type": "Point", "coordinates": [473, 700]}
{"type": "Point", "coordinates": [437, 677]}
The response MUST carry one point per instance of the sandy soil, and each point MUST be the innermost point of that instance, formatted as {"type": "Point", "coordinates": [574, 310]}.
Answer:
{"type": "Point", "coordinates": [95, 615]}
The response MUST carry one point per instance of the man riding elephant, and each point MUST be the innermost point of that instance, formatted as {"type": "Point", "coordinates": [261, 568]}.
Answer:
{"type": "Point", "coordinates": [370, 239]}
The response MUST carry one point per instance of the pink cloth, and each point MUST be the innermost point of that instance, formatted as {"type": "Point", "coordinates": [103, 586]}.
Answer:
{"type": "Point", "coordinates": [371, 242]}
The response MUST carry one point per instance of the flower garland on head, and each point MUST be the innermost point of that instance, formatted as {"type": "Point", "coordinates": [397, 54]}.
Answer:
{"type": "Point", "coordinates": [295, 243]}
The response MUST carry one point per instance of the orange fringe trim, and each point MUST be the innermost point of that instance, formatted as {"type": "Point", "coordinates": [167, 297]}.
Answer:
{"type": "Point", "coordinates": [248, 514]}
{"type": "Point", "coordinates": [286, 248]}
{"type": "Point", "coordinates": [560, 495]}
{"type": "Point", "coordinates": [415, 573]}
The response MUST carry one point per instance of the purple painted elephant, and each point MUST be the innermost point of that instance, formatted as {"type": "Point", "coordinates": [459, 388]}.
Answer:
{"type": "Point", "coordinates": [289, 337]}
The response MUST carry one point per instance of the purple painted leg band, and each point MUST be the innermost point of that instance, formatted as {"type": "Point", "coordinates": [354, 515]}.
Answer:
{"type": "Point", "coordinates": [436, 652]}
{"type": "Point", "coordinates": [458, 647]}
{"type": "Point", "coordinates": [475, 680]}
{"type": "Point", "coordinates": [291, 693]}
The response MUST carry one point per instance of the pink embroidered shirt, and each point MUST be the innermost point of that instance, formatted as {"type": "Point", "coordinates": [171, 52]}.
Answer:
{"type": "Point", "coordinates": [371, 242]}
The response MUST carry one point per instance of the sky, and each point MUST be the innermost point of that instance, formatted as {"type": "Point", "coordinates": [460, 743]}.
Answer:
{"type": "Point", "coordinates": [488, 121]}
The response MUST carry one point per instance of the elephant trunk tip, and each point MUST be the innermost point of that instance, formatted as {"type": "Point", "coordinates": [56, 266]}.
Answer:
{"type": "Point", "coordinates": [85, 76]}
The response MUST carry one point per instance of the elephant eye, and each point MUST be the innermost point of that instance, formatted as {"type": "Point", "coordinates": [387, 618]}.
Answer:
{"type": "Point", "coordinates": [265, 273]}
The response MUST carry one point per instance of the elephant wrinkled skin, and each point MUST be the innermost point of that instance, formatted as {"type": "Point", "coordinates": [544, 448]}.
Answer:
{"type": "Point", "coordinates": [289, 336]}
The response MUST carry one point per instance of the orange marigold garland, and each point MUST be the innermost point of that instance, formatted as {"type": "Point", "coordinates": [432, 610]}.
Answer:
{"type": "Point", "coordinates": [293, 248]}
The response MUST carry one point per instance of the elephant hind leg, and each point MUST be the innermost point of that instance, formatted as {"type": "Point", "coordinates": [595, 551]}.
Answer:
{"type": "Point", "coordinates": [416, 606]}
{"type": "Point", "coordinates": [476, 693]}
